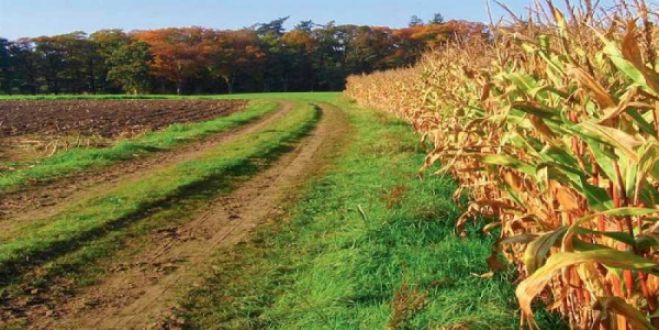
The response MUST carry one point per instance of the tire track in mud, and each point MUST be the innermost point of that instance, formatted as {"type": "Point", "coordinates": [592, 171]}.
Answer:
{"type": "Point", "coordinates": [46, 200]}
{"type": "Point", "coordinates": [142, 292]}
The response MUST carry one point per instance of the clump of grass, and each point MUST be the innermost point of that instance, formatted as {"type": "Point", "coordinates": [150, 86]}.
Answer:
{"type": "Point", "coordinates": [406, 303]}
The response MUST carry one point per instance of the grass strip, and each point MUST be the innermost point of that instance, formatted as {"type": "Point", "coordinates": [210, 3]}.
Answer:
{"type": "Point", "coordinates": [369, 246]}
{"type": "Point", "coordinates": [77, 160]}
{"type": "Point", "coordinates": [89, 219]}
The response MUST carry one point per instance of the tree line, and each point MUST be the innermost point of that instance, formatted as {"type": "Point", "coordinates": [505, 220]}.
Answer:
{"type": "Point", "coordinates": [195, 60]}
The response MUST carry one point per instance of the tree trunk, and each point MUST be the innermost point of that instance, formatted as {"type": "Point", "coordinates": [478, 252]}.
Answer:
{"type": "Point", "coordinates": [229, 81]}
{"type": "Point", "coordinates": [92, 77]}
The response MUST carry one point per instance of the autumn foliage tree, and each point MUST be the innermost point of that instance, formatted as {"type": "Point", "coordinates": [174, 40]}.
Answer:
{"type": "Point", "coordinates": [177, 53]}
{"type": "Point", "coordinates": [232, 54]}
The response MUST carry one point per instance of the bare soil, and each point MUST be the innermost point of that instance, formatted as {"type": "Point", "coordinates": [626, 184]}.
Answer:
{"type": "Point", "coordinates": [144, 290]}
{"type": "Point", "coordinates": [106, 118]}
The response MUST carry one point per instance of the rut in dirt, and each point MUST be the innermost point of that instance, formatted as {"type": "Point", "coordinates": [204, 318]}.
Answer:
{"type": "Point", "coordinates": [44, 200]}
{"type": "Point", "coordinates": [143, 292]}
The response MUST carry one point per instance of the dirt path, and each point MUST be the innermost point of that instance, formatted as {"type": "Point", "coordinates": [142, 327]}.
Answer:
{"type": "Point", "coordinates": [141, 294]}
{"type": "Point", "coordinates": [43, 201]}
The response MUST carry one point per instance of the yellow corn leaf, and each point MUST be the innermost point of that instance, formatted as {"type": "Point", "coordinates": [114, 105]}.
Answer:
{"type": "Point", "coordinates": [537, 251]}
{"type": "Point", "coordinates": [535, 284]}
{"type": "Point", "coordinates": [603, 98]}
{"type": "Point", "coordinates": [632, 53]}
{"type": "Point", "coordinates": [615, 137]}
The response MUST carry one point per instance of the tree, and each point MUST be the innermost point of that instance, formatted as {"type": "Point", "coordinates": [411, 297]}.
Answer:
{"type": "Point", "coordinates": [275, 27]}
{"type": "Point", "coordinates": [437, 19]}
{"type": "Point", "coordinates": [68, 62]}
{"type": "Point", "coordinates": [6, 68]}
{"type": "Point", "coordinates": [107, 42]}
{"type": "Point", "coordinates": [129, 66]}
{"type": "Point", "coordinates": [51, 62]}
{"type": "Point", "coordinates": [278, 59]}
{"type": "Point", "coordinates": [177, 54]}
{"type": "Point", "coordinates": [298, 46]}
{"type": "Point", "coordinates": [328, 57]}
{"type": "Point", "coordinates": [415, 21]}
{"type": "Point", "coordinates": [233, 55]}
{"type": "Point", "coordinates": [305, 26]}
{"type": "Point", "coordinates": [24, 66]}
{"type": "Point", "coordinates": [369, 49]}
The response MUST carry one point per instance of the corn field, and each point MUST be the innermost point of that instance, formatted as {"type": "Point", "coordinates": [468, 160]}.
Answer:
{"type": "Point", "coordinates": [551, 125]}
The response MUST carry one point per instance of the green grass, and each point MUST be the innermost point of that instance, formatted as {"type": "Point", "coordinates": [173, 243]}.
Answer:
{"type": "Point", "coordinates": [367, 232]}
{"type": "Point", "coordinates": [76, 160]}
{"type": "Point", "coordinates": [81, 222]}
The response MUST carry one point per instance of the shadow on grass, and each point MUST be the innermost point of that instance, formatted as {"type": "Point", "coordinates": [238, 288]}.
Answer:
{"type": "Point", "coordinates": [221, 182]}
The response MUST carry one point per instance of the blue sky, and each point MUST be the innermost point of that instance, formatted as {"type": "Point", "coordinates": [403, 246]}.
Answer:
{"type": "Point", "coordinates": [30, 18]}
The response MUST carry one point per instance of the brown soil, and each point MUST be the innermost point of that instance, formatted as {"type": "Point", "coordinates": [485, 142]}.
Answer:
{"type": "Point", "coordinates": [44, 200]}
{"type": "Point", "coordinates": [107, 118]}
{"type": "Point", "coordinates": [142, 292]}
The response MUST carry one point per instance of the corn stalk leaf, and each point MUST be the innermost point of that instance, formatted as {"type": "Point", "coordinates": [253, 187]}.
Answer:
{"type": "Point", "coordinates": [642, 123]}
{"type": "Point", "coordinates": [536, 253]}
{"type": "Point", "coordinates": [535, 284]}
{"type": "Point", "coordinates": [510, 162]}
{"type": "Point", "coordinates": [618, 306]}
{"type": "Point", "coordinates": [597, 197]}
{"type": "Point", "coordinates": [604, 158]}
{"type": "Point", "coordinates": [613, 137]}
{"type": "Point", "coordinates": [612, 50]}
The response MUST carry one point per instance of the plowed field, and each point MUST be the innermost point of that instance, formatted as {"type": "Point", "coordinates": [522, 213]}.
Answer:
{"type": "Point", "coordinates": [106, 118]}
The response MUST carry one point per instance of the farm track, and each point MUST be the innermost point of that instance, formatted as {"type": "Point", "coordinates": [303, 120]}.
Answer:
{"type": "Point", "coordinates": [47, 199]}
{"type": "Point", "coordinates": [142, 292]}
